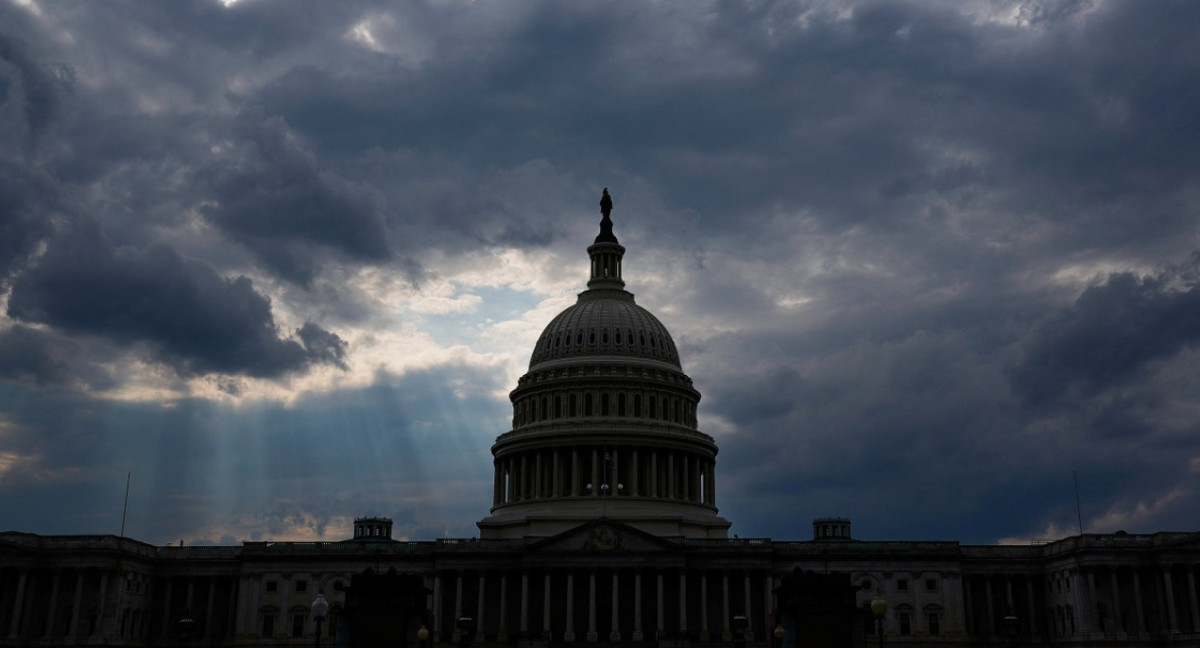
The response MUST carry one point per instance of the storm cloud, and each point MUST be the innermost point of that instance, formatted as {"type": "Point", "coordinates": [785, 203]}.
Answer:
{"type": "Point", "coordinates": [923, 260]}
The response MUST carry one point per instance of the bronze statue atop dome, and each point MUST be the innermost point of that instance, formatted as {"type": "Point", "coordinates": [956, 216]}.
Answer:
{"type": "Point", "coordinates": [606, 203]}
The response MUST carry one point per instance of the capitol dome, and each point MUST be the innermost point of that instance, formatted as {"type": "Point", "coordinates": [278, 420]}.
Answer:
{"type": "Point", "coordinates": [605, 323]}
{"type": "Point", "coordinates": [604, 422]}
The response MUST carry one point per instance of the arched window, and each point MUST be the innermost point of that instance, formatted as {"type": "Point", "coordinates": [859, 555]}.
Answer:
{"type": "Point", "coordinates": [587, 404]}
{"type": "Point", "coordinates": [651, 404]}
{"type": "Point", "coordinates": [558, 407]}
{"type": "Point", "coordinates": [637, 405]}
{"type": "Point", "coordinates": [592, 337]}
{"type": "Point", "coordinates": [604, 336]}
{"type": "Point", "coordinates": [545, 409]}
{"type": "Point", "coordinates": [571, 406]}
{"type": "Point", "coordinates": [618, 334]}
{"type": "Point", "coordinates": [620, 404]}
{"type": "Point", "coordinates": [604, 404]}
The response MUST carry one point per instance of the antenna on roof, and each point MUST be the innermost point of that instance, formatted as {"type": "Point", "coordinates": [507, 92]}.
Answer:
{"type": "Point", "coordinates": [1078, 511]}
{"type": "Point", "coordinates": [125, 509]}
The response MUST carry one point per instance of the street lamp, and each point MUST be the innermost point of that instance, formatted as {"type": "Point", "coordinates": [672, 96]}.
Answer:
{"type": "Point", "coordinates": [465, 628]}
{"type": "Point", "coordinates": [1011, 624]}
{"type": "Point", "coordinates": [320, 607]}
{"type": "Point", "coordinates": [778, 636]}
{"type": "Point", "coordinates": [739, 630]}
{"type": "Point", "coordinates": [185, 625]}
{"type": "Point", "coordinates": [879, 609]}
{"type": "Point", "coordinates": [422, 636]}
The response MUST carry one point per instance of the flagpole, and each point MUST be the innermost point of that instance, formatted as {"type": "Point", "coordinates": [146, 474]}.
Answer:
{"type": "Point", "coordinates": [125, 509]}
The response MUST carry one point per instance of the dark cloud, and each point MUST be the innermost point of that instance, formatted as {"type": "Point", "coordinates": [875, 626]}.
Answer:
{"type": "Point", "coordinates": [861, 220]}
{"type": "Point", "coordinates": [1110, 334]}
{"type": "Point", "coordinates": [269, 194]}
{"type": "Point", "coordinates": [29, 354]}
{"type": "Point", "coordinates": [26, 212]}
{"type": "Point", "coordinates": [190, 317]}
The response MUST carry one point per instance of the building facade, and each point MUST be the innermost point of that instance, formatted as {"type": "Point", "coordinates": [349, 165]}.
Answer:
{"type": "Point", "coordinates": [604, 529]}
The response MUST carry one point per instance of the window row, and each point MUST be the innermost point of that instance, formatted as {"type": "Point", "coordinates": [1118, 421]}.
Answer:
{"type": "Point", "coordinates": [671, 409]}
{"type": "Point", "coordinates": [603, 337]}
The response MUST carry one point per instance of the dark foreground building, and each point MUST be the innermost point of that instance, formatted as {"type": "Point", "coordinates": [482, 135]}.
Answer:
{"type": "Point", "coordinates": [604, 529]}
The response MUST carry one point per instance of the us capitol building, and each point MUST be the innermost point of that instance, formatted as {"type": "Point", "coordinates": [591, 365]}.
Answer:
{"type": "Point", "coordinates": [604, 530]}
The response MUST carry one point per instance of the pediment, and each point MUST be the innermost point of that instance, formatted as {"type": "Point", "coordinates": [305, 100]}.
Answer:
{"type": "Point", "coordinates": [604, 536]}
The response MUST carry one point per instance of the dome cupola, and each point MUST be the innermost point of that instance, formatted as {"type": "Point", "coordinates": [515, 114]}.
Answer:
{"type": "Point", "coordinates": [604, 422]}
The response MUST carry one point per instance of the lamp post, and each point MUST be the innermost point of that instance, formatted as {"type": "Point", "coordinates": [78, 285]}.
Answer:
{"type": "Point", "coordinates": [320, 607]}
{"type": "Point", "coordinates": [185, 624]}
{"type": "Point", "coordinates": [879, 609]}
{"type": "Point", "coordinates": [1011, 625]}
{"type": "Point", "coordinates": [465, 629]}
{"type": "Point", "coordinates": [739, 630]}
{"type": "Point", "coordinates": [422, 636]}
{"type": "Point", "coordinates": [778, 634]}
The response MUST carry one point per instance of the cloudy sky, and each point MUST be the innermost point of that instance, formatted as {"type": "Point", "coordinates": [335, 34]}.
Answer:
{"type": "Point", "coordinates": [282, 262]}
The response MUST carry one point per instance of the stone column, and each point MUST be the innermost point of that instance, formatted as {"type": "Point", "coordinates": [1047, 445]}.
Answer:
{"type": "Point", "coordinates": [671, 492]}
{"type": "Point", "coordinates": [968, 607]}
{"type": "Point", "coordinates": [749, 610]}
{"type": "Point", "coordinates": [1191, 578]}
{"type": "Point", "coordinates": [556, 489]}
{"type": "Point", "coordinates": [53, 611]}
{"type": "Point", "coordinates": [1140, 626]}
{"type": "Point", "coordinates": [1033, 626]}
{"type": "Point", "coordinates": [101, 609]}
{"type": "Point", "coordinates": [436, 630]}
{"type": "Point", "coordinates": [991, 605]}
{"type": "Point", "coordinates": [1172, 619]}
{"type": "Point", "coordinates": [458, 601]}
{"type": "Point", "coordinates": [703, 606]}
{"type": "Point", "coordinates": [537, 476]}
{"type": "Point", "coordinates": [591, 629]}
{"type": "Point", "coordinates": [661, 625]}
{"type": "Point", "coordinates": [574, 473]}
{"type": "Point", "coordinates": [479, 629]}
{"type": "Point", "coordinates": [546, 606]}
{"type": "Point", "coordinates": [208, 608]}
{"type": "Point", "coordinates": [73, 631]}
{"type": "Point", "coordinates": [596, 477]}
{"type": "Point", "coordinates": [768, 605]}
{"type": "Point", "coordinates": [166, 617]}
{"type": "Point", "coordinates": [634, 481]}
{"type": "Point", "coordinates": [615, 633]}
{"type": "Point", "coordinates": [1118, 614]}
{"type": "Point", "coordinates": [502, 628]}
{"type": "Point", "coordinates": [524, 604]}
{"type": "Point", "coordinates": [14, 627]}
{"type": "Point", "coordinates": [569, 632]}
{"type": "Point", "coordinates": [654, 473]}
{"type": "Point", "coordinates": [726, 636]}
{"type": "Point", "coordinates": [637, 605]}
{"type": "Point", "coordinates": [683, 603]}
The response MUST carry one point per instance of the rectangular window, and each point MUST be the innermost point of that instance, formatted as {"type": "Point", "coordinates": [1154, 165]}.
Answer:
{"type": "Point", "coordinates": [935, 627]}
{"type": "Point", "coordinates": [902, 584]}
{"type": "Point", "coordinates": [301, 585]}
{"type": "Point", "coordinates": [930, 584]}
{"type": "Point", "coordinates": [268, 629]}
{"type": "Point", "coordinates": [297, 625]}
{"type": "Point", "coordinates": [272, 586]}
{"type": "Point", "coordinates": [905, 623]}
